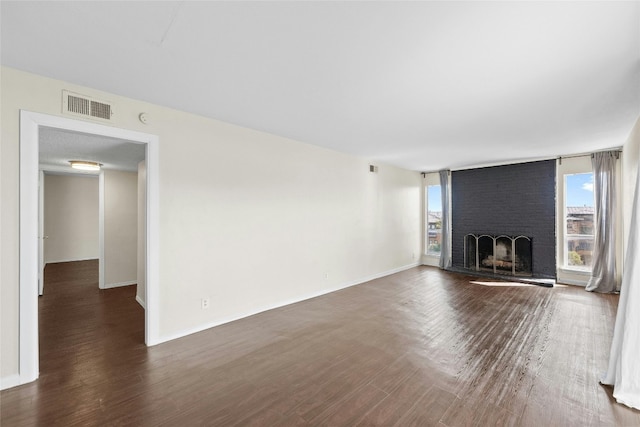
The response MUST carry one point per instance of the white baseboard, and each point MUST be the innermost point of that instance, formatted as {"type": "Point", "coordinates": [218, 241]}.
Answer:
{"type": "Point", "coordinates": [119, 284]}
{"type": "Point", "coordinates": [563, 281]}
{"type": "Point", "coordinates": [10, 381]}
{"type": "Point", "coordinates": [572, 277]}
{"type": "Point", "coordinates": [141, 302]}
{"type": "Point", "coordinates": [375, 276]}
{"type": "Point", "coordinates": [430, 260]}
{"type": "Point", "coordinates": [70, 260]}
{"type": "Point", "coordinates": [206, 326]}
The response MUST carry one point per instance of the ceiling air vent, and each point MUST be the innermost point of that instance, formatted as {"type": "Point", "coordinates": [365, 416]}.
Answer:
{"type": "Point", "coordinates": [85, 106]}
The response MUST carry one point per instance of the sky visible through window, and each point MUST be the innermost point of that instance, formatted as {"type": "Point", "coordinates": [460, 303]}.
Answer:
{"type": "Point", "coordinates": [579, 189]}
{"type": "Point", "coordinates": [434, 199]}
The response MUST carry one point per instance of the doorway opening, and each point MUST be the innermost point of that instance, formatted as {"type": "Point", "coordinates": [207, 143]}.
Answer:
{"type": "Point", "coordinates": [31, 125]}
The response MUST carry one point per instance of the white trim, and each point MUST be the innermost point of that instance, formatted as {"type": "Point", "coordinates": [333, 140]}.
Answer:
{"type": "Point", "coordinates": [565, 281]}
{"type": "Point", "coordinates": [101, 230]}
{"type": "Point", "coordinates": [572, 277]}
{"type": "Point", "coordinates": [70, 260]}
{"type": "Point", "coordinates": [140, 301]}
{"type": "Point", "coordinates": [41, 263]}
{"type": "Point", "coordinates": [431, 260]}
{"type": "Point", "coordinates": [120, 284]}
{"type": "Point", "coordinates": [577, 272]}
{"type": "Point", "coordinates": [10, 381]}
{"type": "Point", "coordinates": [28, 327]}
{"type": "Point", "coordinates": [29, 145]}
{"type": "Point", "coordinates": [201, 328]}
{"type": "Point", "coordinates": [152, 283]}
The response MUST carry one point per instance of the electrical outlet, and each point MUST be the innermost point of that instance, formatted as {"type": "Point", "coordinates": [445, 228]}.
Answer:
{"type": "Point", "coordinates": [205, 303]}
{"type": "Point", "coordinates": [326, 276]}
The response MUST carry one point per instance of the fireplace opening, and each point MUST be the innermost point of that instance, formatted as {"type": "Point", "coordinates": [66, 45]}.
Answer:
{"type": "Point", "coordinates": [505, 255]}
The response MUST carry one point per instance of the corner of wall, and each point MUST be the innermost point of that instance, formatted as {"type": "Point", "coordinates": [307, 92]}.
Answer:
{"type": "Point", "coordinates": [10, 381]}
{"type": "Point", "coordinates": [630, 168]}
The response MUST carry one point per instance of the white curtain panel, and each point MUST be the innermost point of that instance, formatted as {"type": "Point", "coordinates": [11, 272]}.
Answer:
{"type": "Point", "coordinates": [603, 275]}
{"type": "Point", "coordinates": [445, 244]}
{"type": "Point", "coordinates": [624, 361]}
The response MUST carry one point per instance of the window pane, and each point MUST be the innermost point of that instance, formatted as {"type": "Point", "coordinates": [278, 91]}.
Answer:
{"type": "Point", "coordinates": [434, 219]}
{"type": "Point", "coordinates": [579, 215]}
{"type": "Point", "coordinates": [579, 250]}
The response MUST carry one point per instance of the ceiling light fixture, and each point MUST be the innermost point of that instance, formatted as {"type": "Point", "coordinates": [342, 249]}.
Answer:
{"type": "Point", "coordinates": [85, 165]}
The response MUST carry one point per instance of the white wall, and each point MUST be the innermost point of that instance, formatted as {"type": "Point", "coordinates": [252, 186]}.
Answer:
{"type": "Point", "coordinates": [120, 228]}
{"type": "Point", "coordinates": [248, 219]}
{"type": "Point", "coordinates": [70, 218]}
{"type": "Point", "coordinates": [630, 161]}
{"type": "Point", "coordinates": [141, 295]}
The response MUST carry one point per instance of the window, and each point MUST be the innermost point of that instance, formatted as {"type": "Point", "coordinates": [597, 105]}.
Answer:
{"type": "Point", "coordinates": [434, 219]}
{"type": "Point", "coordinates": [578, 219]}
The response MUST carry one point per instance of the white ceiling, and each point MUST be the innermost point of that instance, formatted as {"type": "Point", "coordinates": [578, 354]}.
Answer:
{"type": "Point", "coordinates": [422, 85]}
{"type": "Point", "coordinates": [58, 147]}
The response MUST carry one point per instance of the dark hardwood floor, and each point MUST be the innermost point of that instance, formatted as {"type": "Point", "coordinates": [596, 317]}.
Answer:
{"type": "Point", "coordinates": [422, 347]}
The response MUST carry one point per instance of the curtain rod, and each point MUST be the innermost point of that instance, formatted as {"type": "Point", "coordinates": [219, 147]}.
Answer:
{"type": "Point", "coordinates": [513, 162]}
{"type": "Point", "coordinates": [617, 152]}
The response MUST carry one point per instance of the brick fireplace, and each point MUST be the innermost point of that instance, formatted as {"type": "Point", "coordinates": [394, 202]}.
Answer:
{"type": "Point", "coordinates": [510, 201]}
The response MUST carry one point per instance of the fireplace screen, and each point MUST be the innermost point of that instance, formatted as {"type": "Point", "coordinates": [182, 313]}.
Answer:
{"type": "Point", "coordinates": [498, 254]}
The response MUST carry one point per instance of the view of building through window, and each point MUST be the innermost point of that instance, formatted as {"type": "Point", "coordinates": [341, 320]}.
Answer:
{"type": "Point", "coordinates": [434, 219]}
{"type": "Point", "coordinates": [579, 217]}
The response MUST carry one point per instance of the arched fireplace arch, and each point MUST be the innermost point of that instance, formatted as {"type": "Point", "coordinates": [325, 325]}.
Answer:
{"type": "Point", "coordinates": [498, 254]}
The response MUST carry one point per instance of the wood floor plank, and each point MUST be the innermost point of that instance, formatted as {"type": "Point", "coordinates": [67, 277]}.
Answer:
{"type": "Point", "coordinates": [467, 412]}
{"type": "Point", "coordinates": [399, 402]}
{"type": "Point", "coordinates": [352, 408]}
{"type": "Point", "coordinates": [422, 347]}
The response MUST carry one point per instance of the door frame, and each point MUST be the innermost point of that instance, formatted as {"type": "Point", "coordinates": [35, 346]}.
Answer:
{"type": "Point", "coordinates": [30, 124]}
{"type": "Point", "coordinates": [41, 236]}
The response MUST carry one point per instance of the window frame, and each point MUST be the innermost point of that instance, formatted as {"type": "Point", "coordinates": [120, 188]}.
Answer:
{"type": "Point", "coordinates": [427, 250]}
{"type": "Point", "coordinates": [568, 166]}
{"type": "Point", "coordinates": [428, 258]}
{"type": "Point", "coordinates": [567, 237]}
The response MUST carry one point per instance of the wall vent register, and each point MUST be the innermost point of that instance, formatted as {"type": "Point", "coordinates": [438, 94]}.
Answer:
{"type": "Point", "coordinates": [85, 106]}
